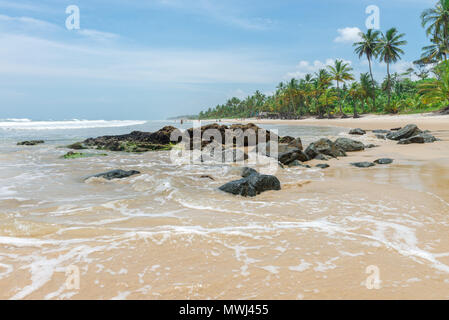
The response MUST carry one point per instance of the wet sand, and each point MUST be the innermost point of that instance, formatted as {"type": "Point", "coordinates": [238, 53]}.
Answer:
{"type": "Point", "coordinates": [167, 234]}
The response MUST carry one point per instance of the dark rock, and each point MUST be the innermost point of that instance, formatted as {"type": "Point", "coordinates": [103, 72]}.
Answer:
{"type": "Point", "coordinates": [408, 131]}
{"type": "Point", "coordinates": [322, 157]}
{"type": "Point", "coordinates": [381, 136]}
{"type": "Point", "coordinates": [30, 143]}
{"type": "Point", "coordinates": [396, 129]}
{"type": "Point", "coordinates": [297, 163]}
{"type": "Point", "coordinates": [76, 146]}
{"type": "Point", "coordinates": [296, 143]}
{"type": "Point", "coordinates": [238, 135]}
{"type": "Point", "coordinates": [135, 141]}
{"type": "Point", "coordinates": [207, 177]}
{"type": "Point", "coordinates": [246, 172]}
{"type": "Point", "coordinates": [381, 131]}
{"type": "Point", "coordinates": [357, 131]}
{"type": "Point", "coordinates": [384, 161]}
{"type": "Point", "coordinates": [292, 155]}
{"type": "Point", "coordinates": [286, 139]}
{"type": "Point", "coordinates": [245, 129]}
{"type": "Point", "coordinates": [322, 166]}
{"type": "Point", "coordinates": [252, 184]}
{"type": "Point", "coordinates": [349, 145]}
{"type": "Point", "coordinates": [326, 147]}
{"type": "Point", "coordinates": [270, 149]}
{"type": "Point", "coordinates": [370, 146]}
{"type": "Point", "coordinates": [115, 174]}
{"type": "Point", "coordinates": [363, 164]}
{"type": "Point", "coordinates": [419, 138]}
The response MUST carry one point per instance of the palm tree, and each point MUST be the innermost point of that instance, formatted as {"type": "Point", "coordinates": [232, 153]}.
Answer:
{"type": "Point", "coordinates": [365, 89]}
{"type": "Point", "coordinates": [327, 99]}
{"type": "Point", "coordinates": [320, 84]}
{"type": "Point", "coordinates": [354, 93]}
{"type": "Point", "coordinates": [436, 90]}
{"type": "Point", "coordinates": [389, 52]}
{"type": "Point", "coordinates": [368, 47]}
{"type": "Point", "coordinates": [340, 72]}
{"type": "Point", "coordinates": [437, 22]}
{"type": "Point", "coordinates": [435, 52]}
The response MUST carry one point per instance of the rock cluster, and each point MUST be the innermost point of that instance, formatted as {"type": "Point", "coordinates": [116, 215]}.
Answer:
{"type": "Point", "coordinates": [251, 184]}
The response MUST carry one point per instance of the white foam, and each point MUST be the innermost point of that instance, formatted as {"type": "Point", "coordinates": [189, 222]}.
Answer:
{"type": "Point", "coordinates": [70, 124]}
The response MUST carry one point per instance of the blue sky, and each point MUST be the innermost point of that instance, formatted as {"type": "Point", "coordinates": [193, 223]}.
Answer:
{"type": "Point", "coordinates": [154, 59]}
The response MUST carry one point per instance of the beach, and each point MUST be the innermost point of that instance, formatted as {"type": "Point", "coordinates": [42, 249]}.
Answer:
{"type": "Point", "coordinates": [169, 233]}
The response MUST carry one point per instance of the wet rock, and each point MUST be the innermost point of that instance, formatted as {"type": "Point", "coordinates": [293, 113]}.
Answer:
{"type": "Point", "coordinates": [349, 145]}
{"type": "Point", "coordinates": [246, 129]}
{"type": "Point", "coordinates": [419, 138]}
{"type": "Point", "coordinates": [115, 174]}
{"type": "Point", "coordinates": [363, 164]}
{"type": "Point", "coordinates": [381, 137]}
{"type": "Point", "coordinates": [252, 184]}
{"type": "Point", "coordinates": [396, 129]}
{"type": "Point", "coordinates": [77, 155]}
{"type": "Point", "coordinates": [357, 131]}
{"type": "Point", "coordinates": [247, 171]}
{"type": "Point", "coordinates": [322, 166]}
{"type": "Point", "coordinates": [292, 155]}
{"type": "Point", "coordinates": [271, 149]}
{"type": "Point", "coordinates": [135, 141]}
{"type": "Point", "coordinates": [326, 147]}
{"type": "Point", "coordinates": [384, 161]}
{"type": "Point", "coordinates": [286, 139]}
{"type": "Point", "coordinates": [30, 143]}
{"type": "Point", "coordinates": [408, 131]}
{"type": "Point", "coordinates": [322, 157]}
{"type": "Point", "coordinates": [297, 163]}
{"type": "Point", "coordinates": [296, 143]}
{"type": "Point", "coordinates": [77, 146]}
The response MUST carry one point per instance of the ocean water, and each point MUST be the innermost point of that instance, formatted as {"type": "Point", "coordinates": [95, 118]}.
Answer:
{"type": "Point", "coordinates": [168, 233]}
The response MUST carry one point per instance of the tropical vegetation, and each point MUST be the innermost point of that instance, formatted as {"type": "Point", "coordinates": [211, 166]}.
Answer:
{"type": "Point", "coordinates": [335, 91]}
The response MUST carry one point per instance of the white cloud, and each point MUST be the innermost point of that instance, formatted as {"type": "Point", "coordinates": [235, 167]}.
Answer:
{"type": "Point", "coordinates": [35, 56]}
{"type": "Point", "coordinates": [348, 35]}
{"type": "Point", "coordinates": [305, 67]}
{"type": "Point", "coordinates": [97, 35]}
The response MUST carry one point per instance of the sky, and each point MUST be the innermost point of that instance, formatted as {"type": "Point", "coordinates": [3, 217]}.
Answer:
{"type": "Point", "coordinates": [153, 59]}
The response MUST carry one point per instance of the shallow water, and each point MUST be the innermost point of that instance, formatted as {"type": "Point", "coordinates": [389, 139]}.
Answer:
{"type": "Point", "coordinates": [168, 233]}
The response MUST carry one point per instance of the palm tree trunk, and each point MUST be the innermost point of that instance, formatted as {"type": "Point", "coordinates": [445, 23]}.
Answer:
{"type": "Point", "coordinates": [388, 85]}
{"type": "Point", "coordinates": [372, 79]}
{"type": "Point", "coordinates": [355, 110]}
{"type": "Point", "coordinates": [339, 98]}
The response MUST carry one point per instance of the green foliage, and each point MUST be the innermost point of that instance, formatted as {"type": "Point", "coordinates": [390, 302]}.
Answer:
{"type": "Point", "coordinates": [398, 93]}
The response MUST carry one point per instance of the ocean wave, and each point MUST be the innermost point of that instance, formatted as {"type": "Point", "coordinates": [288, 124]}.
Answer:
{"type": "Point", "coordinates": [15, 120]}
{"type": "Point", "coordinates": [26, 124]}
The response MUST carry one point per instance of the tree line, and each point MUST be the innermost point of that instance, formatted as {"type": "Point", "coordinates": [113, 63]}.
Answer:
{"type": "Point", "coordinates": [334, 91]}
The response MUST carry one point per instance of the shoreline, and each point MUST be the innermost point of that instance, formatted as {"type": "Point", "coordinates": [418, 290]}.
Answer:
{"type": "Point", "coordinates": [426, 121]}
